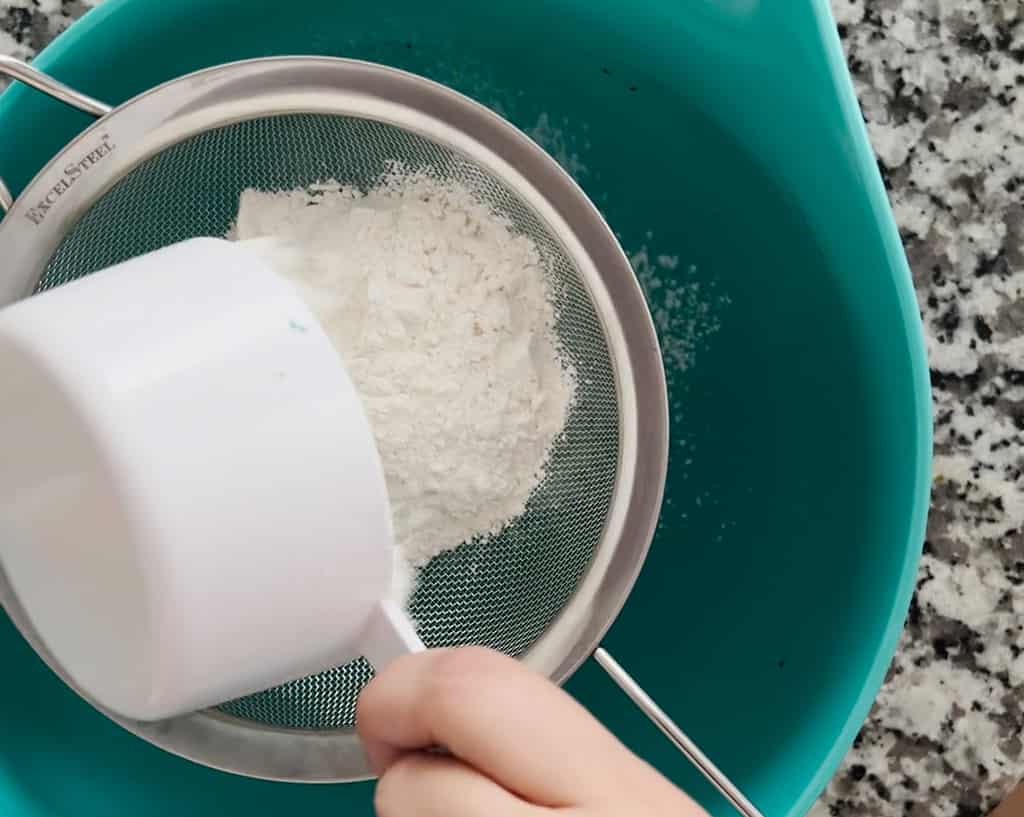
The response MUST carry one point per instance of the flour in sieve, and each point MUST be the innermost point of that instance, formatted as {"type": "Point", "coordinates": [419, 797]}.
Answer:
{"type": "Point", "coordinates": [443, 317]}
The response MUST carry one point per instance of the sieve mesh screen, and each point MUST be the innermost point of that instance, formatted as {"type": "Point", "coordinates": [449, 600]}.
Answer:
{"type": "Point", "coordinates": [503, 593]}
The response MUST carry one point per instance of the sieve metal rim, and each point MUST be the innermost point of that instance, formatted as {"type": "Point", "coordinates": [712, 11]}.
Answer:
{"type": "Point", "coordinates": [218, 96]}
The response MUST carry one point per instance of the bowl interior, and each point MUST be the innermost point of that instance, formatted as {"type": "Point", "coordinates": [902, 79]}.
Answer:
{"type": "Point", "coordinates": [722, 142]}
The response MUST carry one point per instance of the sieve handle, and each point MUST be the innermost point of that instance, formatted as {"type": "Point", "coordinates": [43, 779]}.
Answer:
{"type": "Point", "coordinates": [672, 731]}
{"type": "Point", "coordinates": [23, 72]}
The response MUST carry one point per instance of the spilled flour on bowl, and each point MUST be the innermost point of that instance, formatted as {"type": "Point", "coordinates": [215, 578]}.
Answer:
{"type": "Point", "coordinates": [444, 318]}
{"type": "Point", "coordinates": [685, 311]}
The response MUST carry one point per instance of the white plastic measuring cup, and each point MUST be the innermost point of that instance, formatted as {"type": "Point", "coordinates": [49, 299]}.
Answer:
{"type": "Point", "coordinates": [192, 507]}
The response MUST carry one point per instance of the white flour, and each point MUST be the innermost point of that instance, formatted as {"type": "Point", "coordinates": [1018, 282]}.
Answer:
{"type": "Point", "coordinates": [443, 318]}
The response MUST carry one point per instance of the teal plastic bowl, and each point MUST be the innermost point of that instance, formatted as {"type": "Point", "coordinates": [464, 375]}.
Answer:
{"type": "Point", "coordinates": [723, 137]}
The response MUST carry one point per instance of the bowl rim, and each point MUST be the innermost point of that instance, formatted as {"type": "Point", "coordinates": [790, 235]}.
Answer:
{"type": "Point", "coordinates": [914, 340]}
{"type": "Point", "coordinates": [49, 58]}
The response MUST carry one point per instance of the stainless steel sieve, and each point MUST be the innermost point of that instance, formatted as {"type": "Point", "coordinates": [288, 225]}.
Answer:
{"type": "Point", "coordinates": [170, 164]}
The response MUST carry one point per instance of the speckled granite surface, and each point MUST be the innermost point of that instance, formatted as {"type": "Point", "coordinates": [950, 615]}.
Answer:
{"type": "Point", "coordinates": [941, 84]}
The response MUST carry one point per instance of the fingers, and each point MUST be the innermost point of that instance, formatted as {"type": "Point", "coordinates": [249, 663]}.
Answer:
{"type": "Point", "coordinates": [491, 712]}
{"type": "Point", "coordinates": [421, 785]}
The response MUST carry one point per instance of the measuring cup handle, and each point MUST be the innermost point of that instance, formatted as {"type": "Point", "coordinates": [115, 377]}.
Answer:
{"type": "Point", "coordinates": [23, 72]}
{"type": "Point", "coordinates": [389, 635]}
{"type": "Point", "coordinates": [669, 728]}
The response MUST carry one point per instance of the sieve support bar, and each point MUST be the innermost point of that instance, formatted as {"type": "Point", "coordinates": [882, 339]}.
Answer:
{"type": "Point", "coordinates": [23, 72]}
{"type": "Point", "coordinates": [672, 731]}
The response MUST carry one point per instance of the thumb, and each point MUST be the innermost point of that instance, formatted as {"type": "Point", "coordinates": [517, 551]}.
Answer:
{"type": "Point", "coordinates": [497, 716]}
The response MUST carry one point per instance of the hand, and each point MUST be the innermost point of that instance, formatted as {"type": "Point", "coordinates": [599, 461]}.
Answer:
{"type": "Point", "coordinates": [519, 746]}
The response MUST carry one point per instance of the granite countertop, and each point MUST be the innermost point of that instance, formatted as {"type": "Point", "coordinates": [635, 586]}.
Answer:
{"type": "Point", "coordinates": [941, 85]}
